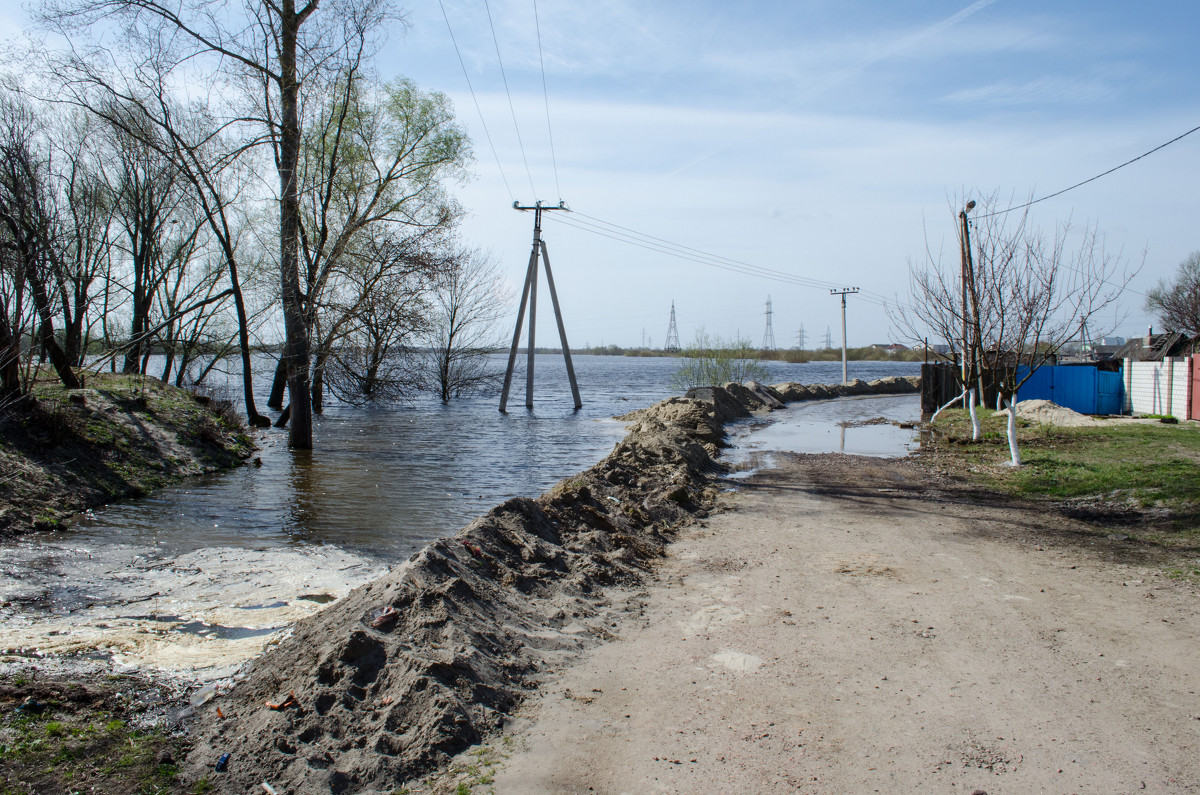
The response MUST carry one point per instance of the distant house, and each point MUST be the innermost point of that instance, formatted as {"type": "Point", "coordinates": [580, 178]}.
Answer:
{"type": "Point", "coordinates": [1156, 347]}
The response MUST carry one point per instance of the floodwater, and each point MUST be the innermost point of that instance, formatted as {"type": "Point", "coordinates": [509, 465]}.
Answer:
{"type": "Point", "coordinates": [197, 576]}
{"type": "Point", "coordinates": [870, 426]}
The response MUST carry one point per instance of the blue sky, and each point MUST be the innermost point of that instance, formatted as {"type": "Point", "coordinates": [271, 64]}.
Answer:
{"type": "Point", "coordinates": [821, 138]}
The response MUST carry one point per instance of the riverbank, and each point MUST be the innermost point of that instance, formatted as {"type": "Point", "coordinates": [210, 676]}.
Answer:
{"type": "Point", "coordinates": [122, 436]}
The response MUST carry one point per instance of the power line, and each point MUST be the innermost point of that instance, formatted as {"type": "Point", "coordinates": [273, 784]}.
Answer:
{"type": "Point", "coordinates": [1093, 179]}
{"type": "Point", "coordinates": [475, 99]}
{"type": "Point", "coordinates": [633, 237]}
{"type": "Point", "coordinates": [511, 109]}
{"type": "Point", "coordinates": [546, 97]}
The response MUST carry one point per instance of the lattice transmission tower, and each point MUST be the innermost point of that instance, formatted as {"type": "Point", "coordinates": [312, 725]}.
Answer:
{"type": "Point", "coordinates": [801, 338]}
{"type": "Point", "coordinates": [768, 343]}
{"type": "Point", "coordinates": [672, 344]}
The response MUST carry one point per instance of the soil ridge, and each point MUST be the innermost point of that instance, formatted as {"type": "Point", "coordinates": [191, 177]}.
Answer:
{"type": "Point", "coordinates": [393, 680]}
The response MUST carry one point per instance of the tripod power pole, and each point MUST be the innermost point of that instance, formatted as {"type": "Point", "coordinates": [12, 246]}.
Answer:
{"type": "Point", "coordinates": [529, 296]}
{"type": "Point", "coordinates": [843, 293]}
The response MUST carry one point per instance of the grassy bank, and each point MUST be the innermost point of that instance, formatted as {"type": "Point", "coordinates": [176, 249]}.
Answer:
{"type": "Point", "coordinates": [1140, 479]}
{"type": "Point", "coordinates": [61, 736]}
{"type": "Point", "coordinates": [122, 436]}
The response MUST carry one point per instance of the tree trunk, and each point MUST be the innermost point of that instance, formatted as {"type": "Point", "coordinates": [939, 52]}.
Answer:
{"type": "Point", "coordinates": [278, 385]}
{"type": "Point", "coordinates": [50, 345]}
{"type": "Point", "coordinates": [318, 385]}
{"type": "Point", "coordinates": [255, 419]}
{"type": "Point", "coordinates": [1013, 452]}
{"type": "Point", "coordinates": [10, 363]}
{"type": "Point", "coordinates": [296, 345]}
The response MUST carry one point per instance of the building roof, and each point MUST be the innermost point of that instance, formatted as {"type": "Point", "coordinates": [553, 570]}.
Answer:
{"type": "Point", "coordinates": [1168, 344]}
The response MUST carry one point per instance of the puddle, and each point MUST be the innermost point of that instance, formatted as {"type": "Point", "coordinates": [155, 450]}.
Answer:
{"type": "Point", "coordinates": [868, 426]}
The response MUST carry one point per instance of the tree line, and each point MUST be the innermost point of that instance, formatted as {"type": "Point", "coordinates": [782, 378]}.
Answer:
{"type": "Point", "coordinates": [230, 175]}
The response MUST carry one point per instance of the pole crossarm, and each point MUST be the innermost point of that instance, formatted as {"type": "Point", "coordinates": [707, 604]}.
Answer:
{"type": "Point", "coordinates": [529, 297]}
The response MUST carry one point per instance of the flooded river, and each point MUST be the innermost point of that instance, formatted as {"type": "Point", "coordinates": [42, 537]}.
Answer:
{"type": "Point", "coordinates": [196, 577]}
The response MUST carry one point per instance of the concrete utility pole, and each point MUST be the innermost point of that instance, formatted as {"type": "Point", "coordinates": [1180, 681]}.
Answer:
{"type": "Point", "coordinates": [843, 293]}
{"type": "Point", "coordinates": [529, 295]}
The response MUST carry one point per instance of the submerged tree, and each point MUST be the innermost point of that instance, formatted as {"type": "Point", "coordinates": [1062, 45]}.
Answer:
{"type": "Point", "coordinates": [276, 56]}
{"type": "Point", "coordinates": [468, 300]}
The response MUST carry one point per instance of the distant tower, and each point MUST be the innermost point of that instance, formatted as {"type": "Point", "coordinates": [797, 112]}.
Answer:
{"type": "Point", "coordinates": [802, 338]}
{"type": "Point", "coordinates": [769, 333]}
{"type": "Point", "coordinates": [672, 344]}
{"type": "Point", "coordinates": [828, 338]}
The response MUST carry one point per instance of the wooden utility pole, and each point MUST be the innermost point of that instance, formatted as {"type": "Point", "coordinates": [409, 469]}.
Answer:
{"type": "Point", "coordinates": [843, 293]}
{"type": "Point", "coordinates": [529, 296]}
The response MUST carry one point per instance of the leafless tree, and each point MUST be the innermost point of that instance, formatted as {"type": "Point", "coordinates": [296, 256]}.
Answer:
{"type": "Point", "coordinates": [468, 299]}
{"type": "Point", "coordinates": [1177, 302]}
{"type": "Point", "coordinates": [1026, 294]}
{"type": "Point", "coordinates": [375, 356]}
{"type": "Point", "coordinates": [28, 213]}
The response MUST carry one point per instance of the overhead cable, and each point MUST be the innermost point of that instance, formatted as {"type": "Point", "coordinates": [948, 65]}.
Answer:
{"type": "Point", "coordinates": [695, 255]}
{"type": "Point", "coordinates": [546, 97]}
{"type": "Point", "coordinates": [1093, 179]}
{"type": "Point", "coordinates": [478, 110]}
{"type": "Point", "coordinates": [511, 109]}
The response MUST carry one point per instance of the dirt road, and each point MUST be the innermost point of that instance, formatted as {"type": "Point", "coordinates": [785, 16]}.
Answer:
{"type": "Point", "coordinates": [844, 629]}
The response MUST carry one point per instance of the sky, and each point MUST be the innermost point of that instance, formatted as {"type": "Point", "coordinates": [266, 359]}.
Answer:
{"type": "Point", "coordinates": [822, 139]}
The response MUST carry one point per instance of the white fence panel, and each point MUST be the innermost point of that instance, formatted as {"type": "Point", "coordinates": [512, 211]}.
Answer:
{"type": "Point", "coordinates": [1157, 387]}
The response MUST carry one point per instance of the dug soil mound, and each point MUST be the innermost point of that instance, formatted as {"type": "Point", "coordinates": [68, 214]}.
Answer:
{"type": "Point", "coordinates": [391, 681]}
{"type": "Point", "coordinates": [124, 436]}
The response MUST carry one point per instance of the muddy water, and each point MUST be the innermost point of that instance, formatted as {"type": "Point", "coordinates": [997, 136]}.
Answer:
{"type": "Point", "coordinates": [198, 577]}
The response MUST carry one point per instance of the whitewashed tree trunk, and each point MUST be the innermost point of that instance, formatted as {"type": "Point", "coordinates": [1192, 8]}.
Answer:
{"type": "Point", "coordinates": [976, 429]}
{"type": "Point", "coordinates": [1012, 433]}
{"type": "Point", "coordinates": [954, 400]}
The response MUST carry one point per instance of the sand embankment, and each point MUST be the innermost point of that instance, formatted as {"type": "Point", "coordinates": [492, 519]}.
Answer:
{"type": "Point", "coordinates": [389, 682]}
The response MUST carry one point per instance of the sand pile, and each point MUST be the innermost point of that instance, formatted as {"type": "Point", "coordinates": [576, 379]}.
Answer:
{"type": "Point", "coordinates": [389, 682]}
{"type": "Point", "coordinates": [1047, 413]}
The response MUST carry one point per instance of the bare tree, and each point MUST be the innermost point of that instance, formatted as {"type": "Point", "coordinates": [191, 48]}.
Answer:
{"type": "Point", "coordinates": [375, 356]}
{"type": "Point", "coordinates": [27, 211]}
{"type": "Point", "coordinates": [1177, 303]}
{"type": "Point", "coordinates": [280, 51]}
{"type": "Point", "coordinates": [1026, 295]}
{"type": "Point", "coordinates": [468, 299]}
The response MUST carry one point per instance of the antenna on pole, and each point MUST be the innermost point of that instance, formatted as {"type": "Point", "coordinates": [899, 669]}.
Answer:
{"type": "Point", "coordinates": [529, 296]}
{"type": "Point", "coordinates": [843, 293]}
{"type": "Point", "coordinates": [672, 344]}
{"type": "Point", "coordinates": [769, 334]}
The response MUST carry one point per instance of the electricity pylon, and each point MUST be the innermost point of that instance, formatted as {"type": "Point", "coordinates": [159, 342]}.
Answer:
{"type": "Point", "coordinates": [529, 295]}
{"type": "Point", "coordinates": [672, 344]}
{"type": "Point", "coordinates": [769, 333]}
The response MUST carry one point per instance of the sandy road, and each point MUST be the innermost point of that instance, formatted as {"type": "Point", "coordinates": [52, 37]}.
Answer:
{"type": "Point", "coordinates": [842, 629]}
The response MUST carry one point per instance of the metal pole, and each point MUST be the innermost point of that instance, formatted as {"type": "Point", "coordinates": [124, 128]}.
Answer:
{"type": "Point", "coordinates": [562, 331]}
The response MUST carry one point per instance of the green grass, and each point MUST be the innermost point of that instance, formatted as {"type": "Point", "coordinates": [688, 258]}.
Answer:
{"type": "Point", "coordinates": [1123, 464]}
